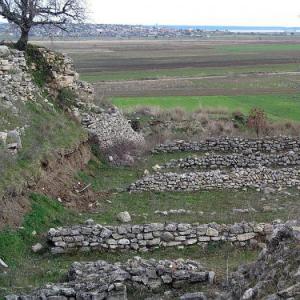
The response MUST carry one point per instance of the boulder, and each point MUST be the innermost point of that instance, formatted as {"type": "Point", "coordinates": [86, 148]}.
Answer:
{"type": "Point", "coordinates": [124, 217]}
{"type": "Point", "coordinates": [37, 248]}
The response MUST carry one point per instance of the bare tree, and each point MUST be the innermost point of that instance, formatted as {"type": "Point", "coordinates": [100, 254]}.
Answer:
{"type": "Point", "coordinates": [28, 13]}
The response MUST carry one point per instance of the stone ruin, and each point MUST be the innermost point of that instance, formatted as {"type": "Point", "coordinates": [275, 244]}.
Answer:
{"type": "Point", "coordinates": [226, 163]}
{"type": "Point", "coordinates": [95, 237]}
{"type": "Point", "coordinates": [107, 128]}
{"type": "Point", "coordinates": [217, 179]}
{"type": "Point", "coordinates": [102, 280]}
{"type": "Point", "coordinates": [278, 262]}
{"type": "Point", "coordinates": [232, 144]}
{"type": "Point", "coordinates": [240, 160]}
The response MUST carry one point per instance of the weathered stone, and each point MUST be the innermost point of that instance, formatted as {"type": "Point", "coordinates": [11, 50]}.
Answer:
{"type": "Point", "coordinates": [37, 247]}
{"type": "Point", "coordinates": [124, 217]}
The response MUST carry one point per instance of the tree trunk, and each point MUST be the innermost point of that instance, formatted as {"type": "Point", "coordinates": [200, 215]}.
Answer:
{"type": "Point", "coordinates": [23, 40]}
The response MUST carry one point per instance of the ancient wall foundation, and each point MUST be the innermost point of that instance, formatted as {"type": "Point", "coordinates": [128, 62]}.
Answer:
{"type": "Point", "coordinates": [233, 179]}
{"type": "Point", "coordinates": [232, 144]}
{"type": "Point", "coordinates": [258, 159]}
{"type": "Point", "coordinates": [95, 237]}
{"type": "Point", "coordinates": [102, 280]}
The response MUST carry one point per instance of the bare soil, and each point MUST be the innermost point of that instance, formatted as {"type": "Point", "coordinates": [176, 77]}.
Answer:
{"type": "Point", "coordinates": [56, 180]}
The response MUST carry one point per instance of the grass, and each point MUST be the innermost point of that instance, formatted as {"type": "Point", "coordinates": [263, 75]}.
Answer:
{"type": "Point", "coordinates": [49, 130]}
{"type": "Point", "coordinates": [93, 77]}
{"type": "Point", "coordinates": [216, 205]}
{"type": "Point", "coordinates": [28, 270]}
{"type": "Point", "coordinates": [277, 107]}
{"type": "Point", "coordinates": [25, 268]}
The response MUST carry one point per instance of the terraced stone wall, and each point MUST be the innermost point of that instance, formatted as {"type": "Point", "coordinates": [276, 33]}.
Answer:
{"type": "Point", "coordinates": [232, 144]}
{"type": "Point", "coordinates": [94, 237]}
{"type": "Point", "coordinates": [233, 179]}
{"type": "Point", "coordinates": [252, 160]}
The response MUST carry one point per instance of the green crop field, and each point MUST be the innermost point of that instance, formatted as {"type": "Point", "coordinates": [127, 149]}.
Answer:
{"type": "Point", "coordinates": [278, 107]}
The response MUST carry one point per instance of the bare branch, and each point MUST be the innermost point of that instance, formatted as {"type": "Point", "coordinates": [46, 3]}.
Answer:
{"type": "Point", "coordinates": [28, 13]}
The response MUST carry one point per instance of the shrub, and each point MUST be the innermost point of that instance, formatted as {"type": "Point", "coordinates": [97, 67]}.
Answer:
{"type": "Point", "coordinates": [257, 120]}
{"type": "Point", "coordinates": [66, 98]}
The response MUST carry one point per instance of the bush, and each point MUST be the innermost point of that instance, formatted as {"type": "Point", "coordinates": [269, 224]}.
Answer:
{"type": "Point", "coordinates": [257, 120]}
{"type": "Point", "coordinates": [66, 98]}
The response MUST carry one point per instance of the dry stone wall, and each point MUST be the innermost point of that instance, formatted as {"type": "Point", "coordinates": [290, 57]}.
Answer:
{"type": "Point", "coordinates": [16, 88]}
{"type": "Point", "coordinates": [254, 160]}
{"type": "Point", "coordinates": [232, 144]}
{"type": "Point", "coordinates": [96, 237]}
{"type": "Point", "coordinates": [234, 179]}
{"type": "Point", "coordinates": [102, 280]}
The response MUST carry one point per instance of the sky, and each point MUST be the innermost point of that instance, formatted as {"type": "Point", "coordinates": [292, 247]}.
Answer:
{"type": "Point", "coordinates": [197, 12]}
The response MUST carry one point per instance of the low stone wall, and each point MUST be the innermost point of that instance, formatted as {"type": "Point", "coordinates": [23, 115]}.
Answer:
{"type": "Point", "coordinates": [234, 179]}
{"type": "Point", "coordinates": [231, 144]}
{"type": "Point", "coordinates": [102, 280]}
{"type": "Point", "coordinates": [95, 237]}
{"type": "Point", "coordinates": [255, 160]}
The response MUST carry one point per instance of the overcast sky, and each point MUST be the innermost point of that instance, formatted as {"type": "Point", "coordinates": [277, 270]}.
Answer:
{"type": "Point", "coordinates": [197, 12]}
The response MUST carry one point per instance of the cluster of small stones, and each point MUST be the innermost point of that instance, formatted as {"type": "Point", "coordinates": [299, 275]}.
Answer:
{"type": "Point", "coordinates": [102, 280]}
{"type": "Point", "coordinates": [232, 144]}
{"type": "Point", "coordinates": [234, 179]}
{"type": "Point", "coordinates": [114, 134]}
{"type": "Point", "coordinates": [95, 237]}
{"type": "Point", "coordinates": [251, 160]}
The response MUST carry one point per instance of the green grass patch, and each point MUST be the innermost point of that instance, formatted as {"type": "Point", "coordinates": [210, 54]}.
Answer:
{"type": "Point", "coordinates": [49, 130]}
{"type": "Point", "coordinates": [277, 107]}
{"type": "Point", "coordinates": [26, 268]}
{"type": "Point", "coordinates": [216, 205]}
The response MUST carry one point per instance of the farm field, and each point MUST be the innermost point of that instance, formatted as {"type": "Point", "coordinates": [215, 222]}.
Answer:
{"type": "Point", "coordinates": [278, 107]}
{"type": "Point", "coordinates": [250, 71]}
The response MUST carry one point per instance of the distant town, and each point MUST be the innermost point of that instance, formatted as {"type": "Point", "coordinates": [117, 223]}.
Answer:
{"type": "Point", "coordinates": [142, 31]}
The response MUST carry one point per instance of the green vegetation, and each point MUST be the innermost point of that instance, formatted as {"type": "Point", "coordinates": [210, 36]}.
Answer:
{"type": "Point", "coordinates": [216, 205]}
{"type": "Point", "coordinates": [28, 270]}
{"type": "Point", "coordinates": [277, 107]}
{"type": "Point", "coordinates": [49, 130]}
{"type": "Point", "coordinates": [185, 72]}
{"type": "Point", "coordinates": [40, 71]}
{"type": "Point", "coordinates": [25, 268]}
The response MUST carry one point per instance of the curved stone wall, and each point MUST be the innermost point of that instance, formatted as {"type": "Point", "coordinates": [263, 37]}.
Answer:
{"type": "Point", "coordinates": [95, 237]}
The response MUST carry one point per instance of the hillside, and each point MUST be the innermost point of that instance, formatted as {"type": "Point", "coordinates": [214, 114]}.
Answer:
{"type": "Point", "coordinates": [83, 191]}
